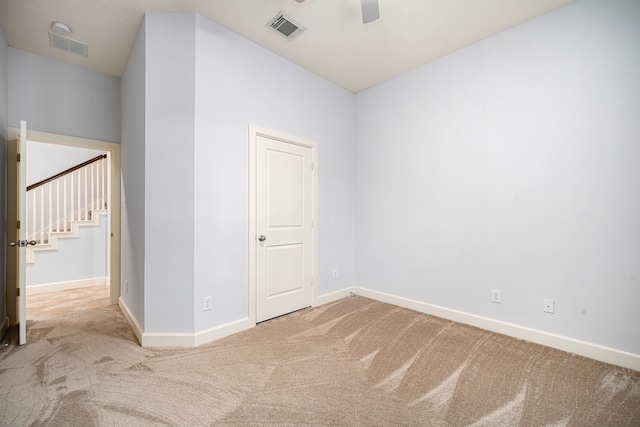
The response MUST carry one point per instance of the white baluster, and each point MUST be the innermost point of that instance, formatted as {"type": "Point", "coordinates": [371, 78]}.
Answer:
{"type": "Point", "coordinates": [50, 217]}
{"type": "Point", "coordinates": [92, 188]}
{"type": "Point", "coordinates": [72, 197]}
{"type": "Point", "coordinates": [58, 205]}
{"type": "Point", "coordinates": [42, 214]}
{"type": "Point", "coordinates": [101, 191]}
{"type": "Point", "coordinates": [35, 208]}
{"type": "Point", "coordinates": [100, 183]}
{"type": "Point", "coordinates": [86, 200]}
{"type": "Point", "coordinates": [64, 209]}
{"type": "Point", "coordinates": [79, 196]}
{"type": "Point", "coordinates": [107, 183]}
{"type": "Point", "coordinates": [27, 218]}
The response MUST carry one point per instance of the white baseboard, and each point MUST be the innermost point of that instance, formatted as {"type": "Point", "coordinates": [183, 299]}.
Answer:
{"type": "Point", "coordinates": [130, 318]}
{"type": "Point", "coordinates": [582, 348]}
{"type": "Point", "coordinates": [161, 339]}
{"type": "Point", "coordinates": [63, 286]}
{"type": "Point", "coordinates": [333, 296]}
{"type": "Point", "coordinates": [4, 326]}
{"type": "Point", "coordinates": [217, 332]}
{"type": "Point", "coordinates": [181, 339]}
{"type": "Point", "coordinates": [167, 340]}
{"type": "Point", "coordinates": [195, 339]}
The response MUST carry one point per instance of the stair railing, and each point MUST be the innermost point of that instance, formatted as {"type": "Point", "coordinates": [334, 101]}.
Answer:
{"type": "Point", "coordinates": [71, 195]}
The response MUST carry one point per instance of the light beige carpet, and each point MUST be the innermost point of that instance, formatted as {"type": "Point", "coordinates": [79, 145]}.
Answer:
{"type": "Point", "coordinates": [355, 362]}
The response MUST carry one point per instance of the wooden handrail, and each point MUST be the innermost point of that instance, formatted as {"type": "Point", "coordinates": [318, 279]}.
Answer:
{"type": "Point", "coordinates": [71, 169]}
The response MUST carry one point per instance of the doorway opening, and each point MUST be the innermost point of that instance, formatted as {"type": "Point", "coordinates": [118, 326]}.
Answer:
{"type": "Point", "coordinates": [112, 150]}
{"type": "Point", "coordinates": [68, 216]}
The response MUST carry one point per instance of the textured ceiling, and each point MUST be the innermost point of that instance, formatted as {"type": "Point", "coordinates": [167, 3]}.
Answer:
{"type": "Point", "coordinates": [336, 45]}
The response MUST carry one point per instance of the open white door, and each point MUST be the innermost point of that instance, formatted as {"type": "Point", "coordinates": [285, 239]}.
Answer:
{"type": "Point", "coordinates": [16, 232]}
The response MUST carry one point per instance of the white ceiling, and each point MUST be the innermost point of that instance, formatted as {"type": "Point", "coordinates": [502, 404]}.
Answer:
{"type": "Point", "coordinates": [336, 45]}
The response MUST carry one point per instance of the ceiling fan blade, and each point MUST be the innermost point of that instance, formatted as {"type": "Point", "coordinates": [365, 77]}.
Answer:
{"type": "Point", "coordinates": [370, 11]}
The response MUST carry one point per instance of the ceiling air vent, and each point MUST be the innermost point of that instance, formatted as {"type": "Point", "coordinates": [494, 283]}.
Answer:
{"type": "Point", "coordinates": [283, 24]}
{"type": "Point", "coordinates": [70, 45]}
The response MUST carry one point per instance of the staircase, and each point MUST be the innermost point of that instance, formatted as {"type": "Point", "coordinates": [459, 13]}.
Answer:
{"type": "Point", "coordinates": [58, 206]}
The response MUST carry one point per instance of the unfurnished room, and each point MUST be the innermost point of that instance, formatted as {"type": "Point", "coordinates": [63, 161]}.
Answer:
{"type": "Point", "coordinates": [320, 212]}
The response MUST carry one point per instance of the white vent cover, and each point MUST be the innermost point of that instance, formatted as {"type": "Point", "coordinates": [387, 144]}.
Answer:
{"type": "Point", "coordinates": [70, 45]}
{"type": "Point", "coordinates": [285, 25]}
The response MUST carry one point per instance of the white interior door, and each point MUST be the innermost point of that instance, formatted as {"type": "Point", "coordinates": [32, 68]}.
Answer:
{"type": "Point", "coordinates": [284, 227]}
{"type": "Point", "coordinates": [16, 232]}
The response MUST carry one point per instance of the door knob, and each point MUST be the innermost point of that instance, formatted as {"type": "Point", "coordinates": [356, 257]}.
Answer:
{"type": "Point", "coordinates": [262, 238]}
{"type": "Point", "coordinates": [23, 243]}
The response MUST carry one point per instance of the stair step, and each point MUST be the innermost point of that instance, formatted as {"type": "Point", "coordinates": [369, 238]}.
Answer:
{"type": "Point", "coordinates": [50, 242]}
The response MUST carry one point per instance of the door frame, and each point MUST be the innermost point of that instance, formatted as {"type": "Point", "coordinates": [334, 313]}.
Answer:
{"type": "Point", "coordinates": [254, 133]}
{"type": "Point", "coordinates": [114, 155]}
{"type": "Point", "coordinates": [15, 301]}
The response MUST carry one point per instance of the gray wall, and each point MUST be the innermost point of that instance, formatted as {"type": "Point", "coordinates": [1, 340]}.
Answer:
{"type": "Point", "coordinates": [513, 164]}
{"type": "Point", "coordinates": [237, 83]}
{"type": "Point", "coordinates": [169, 162]}
{"type": "Point", "coordinates": [46, 160]}
{"type": "Point", "coordinates": [77, 258]}
{"type": "Point", "coordinates": [63, 99]}
{"type": "Point", "coordinates": [202, 78]}
{"type": "Point", "coordinates": [4, 119]}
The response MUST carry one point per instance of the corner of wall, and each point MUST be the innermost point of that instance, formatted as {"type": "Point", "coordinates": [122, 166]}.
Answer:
{"type": "Point", "coordinates": [333, 296]}
{"type": "Point", "coordinates": [130, 318]}
{"type": "Point", "coordinates": [132, 183]}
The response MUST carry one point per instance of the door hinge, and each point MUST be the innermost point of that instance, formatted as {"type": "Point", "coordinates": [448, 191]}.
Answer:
{"type": "Point", "coordinates": [312, 165]}
{"type": "Point", "coordinates": [18, 157]}
{"type": "Point", "coordinates": [311, 222]}
{"type": "Point", "coordinates": [312, 282]}
{"type": "Point", "coordinates": [17, 292]}
{"type": "Point", "coordinates": [18, 225]}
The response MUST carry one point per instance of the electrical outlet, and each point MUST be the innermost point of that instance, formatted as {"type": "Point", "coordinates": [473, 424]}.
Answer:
{"type": "Point", "coordinates": [335, 274]}
{"type": "Point", "coordinates": [548, 306]}
{"type": "Point", "coordinates": [126, 286]}
{"type": "Point", "coordinates": [206, 303]}
{"type": "Point", "coordinates": [496, 296]}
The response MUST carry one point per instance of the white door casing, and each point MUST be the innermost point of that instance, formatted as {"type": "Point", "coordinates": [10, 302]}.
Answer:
{"type": "Point", "coordinates": [283, 236]}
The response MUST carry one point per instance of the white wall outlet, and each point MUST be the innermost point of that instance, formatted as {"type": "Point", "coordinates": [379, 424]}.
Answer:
{"type": "Point", "coordinates": [206, 303]}
{"type": "Point", "coordinates": [335, 274]}
{"type": "Point", "coordinates": [496, 296]}
{"type": "Point", "coordinates": [548, 306]}
{"type": "Point", "coordinates": [126, 286]}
